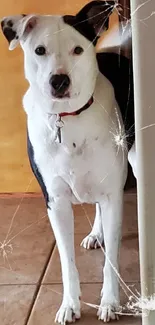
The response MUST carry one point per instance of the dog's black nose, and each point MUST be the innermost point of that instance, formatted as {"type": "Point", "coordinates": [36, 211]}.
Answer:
{"type": "Point", "coordinates": [59, 82]}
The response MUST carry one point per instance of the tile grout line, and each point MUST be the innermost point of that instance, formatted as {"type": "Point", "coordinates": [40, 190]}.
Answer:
{"type": "Point", "coordinates": [57, 283]}
{"type": "Point", "coordinates": [39, 285]}
{"type": "Point", "coordinates": [14, 195]}
{"type": "Point", "coordinates": [83, 283]}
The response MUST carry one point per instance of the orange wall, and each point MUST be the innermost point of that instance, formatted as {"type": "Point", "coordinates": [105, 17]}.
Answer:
{"type": "Point", "coordinates": [15, 173]}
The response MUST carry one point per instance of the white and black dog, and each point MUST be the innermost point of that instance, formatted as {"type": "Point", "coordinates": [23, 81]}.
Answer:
{"type": "Point", "coordinates": [77, 117]}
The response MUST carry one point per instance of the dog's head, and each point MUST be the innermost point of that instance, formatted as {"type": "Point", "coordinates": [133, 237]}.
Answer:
{"type": "Point", "coordinates": [59, 51]}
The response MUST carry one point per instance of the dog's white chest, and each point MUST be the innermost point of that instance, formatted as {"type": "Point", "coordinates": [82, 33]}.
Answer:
{"type": "Point", "coordinates": [83, 157]}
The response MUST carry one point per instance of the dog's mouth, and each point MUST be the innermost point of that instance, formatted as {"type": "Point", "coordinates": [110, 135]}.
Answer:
{"type": "Point", "coordinates": [64, 97]}
{"type": "Point", "coordinates": [61, 96]}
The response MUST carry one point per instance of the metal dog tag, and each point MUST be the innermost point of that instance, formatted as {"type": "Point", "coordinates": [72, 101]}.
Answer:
{"type": "Point", "coordinates": [59, 124]}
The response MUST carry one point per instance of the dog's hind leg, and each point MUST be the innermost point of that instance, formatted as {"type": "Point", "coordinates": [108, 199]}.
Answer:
{"type": "Point", "coordinates": [112, 212]}
{"type": "Point", "coordinates": [95, 238]}
{"type": "Point", "coordinates": [132, 159]}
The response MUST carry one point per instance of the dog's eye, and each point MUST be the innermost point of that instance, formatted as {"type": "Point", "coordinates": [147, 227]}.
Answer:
{"type": "Point", "coordinates": [78, 50]}
{"type": "Point", "coordinates": [40, 50]}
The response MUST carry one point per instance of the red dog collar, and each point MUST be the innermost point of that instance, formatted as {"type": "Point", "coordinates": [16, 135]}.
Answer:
{"type": "Point", "coordinates": [88, 104]}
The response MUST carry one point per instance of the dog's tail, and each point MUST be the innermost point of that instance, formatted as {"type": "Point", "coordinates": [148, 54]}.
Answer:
{"type": "Point", "coordinates": [115, 37]}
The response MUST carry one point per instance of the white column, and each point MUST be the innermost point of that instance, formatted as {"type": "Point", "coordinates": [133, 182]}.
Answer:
{"type": "Point", "coordinates": [143, 33]}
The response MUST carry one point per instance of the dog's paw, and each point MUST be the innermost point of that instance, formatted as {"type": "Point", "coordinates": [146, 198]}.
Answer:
{"type": "Point", "coordinates": [109, 306]}
{"type": "Point", "coordinates": [92, 241]}
{"type": "Point", "coordinates": [107, 312]}
{"type": "Point", "coordinates": [68, 313]}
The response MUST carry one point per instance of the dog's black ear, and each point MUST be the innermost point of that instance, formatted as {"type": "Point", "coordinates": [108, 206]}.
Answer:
{"type": "Point", "coordinates": [95, 16]}
{"type": "Point", "coordinates": [15, 28]}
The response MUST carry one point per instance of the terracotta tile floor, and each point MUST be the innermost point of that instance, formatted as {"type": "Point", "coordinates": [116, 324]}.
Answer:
{"type": "Point", "coordinates": [30, 276]}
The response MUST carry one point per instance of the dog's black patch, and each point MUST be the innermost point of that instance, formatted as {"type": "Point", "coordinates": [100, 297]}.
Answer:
{"type": "Point", "coordinates": [36, 170]}
{"type": "Point", "coordinates": [92, 19]}
{"type": "Point", "coordinates": [118, 69]}
{"type": "Point", "coordinates": [74, 144]}
{"type": "Point", "coordinates": [9, 23]}
{"type": "Point", "coordinates": [9, 33]}
{"type": "Point", "coordinates": [81, 27]}
{"type": "Point", "coordinates": [2, 24]}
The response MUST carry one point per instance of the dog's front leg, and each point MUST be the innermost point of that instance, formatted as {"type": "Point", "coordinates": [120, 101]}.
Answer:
{"type": "Point", "coordinates": [62, 221]}
{"type": "Point", "coordinates": [112, 210]}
